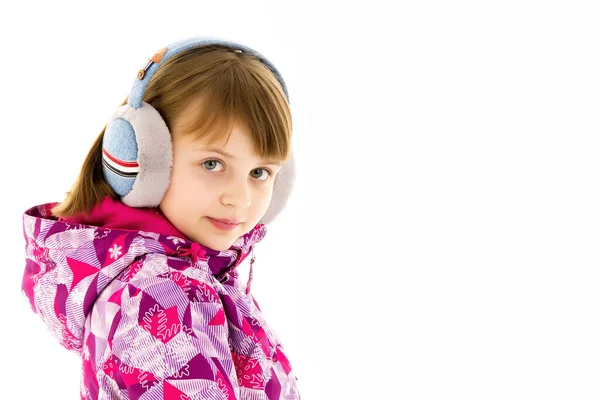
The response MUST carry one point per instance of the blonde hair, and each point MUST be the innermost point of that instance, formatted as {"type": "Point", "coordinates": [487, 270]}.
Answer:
{"type": "Point", "coordinates": [235, 86]}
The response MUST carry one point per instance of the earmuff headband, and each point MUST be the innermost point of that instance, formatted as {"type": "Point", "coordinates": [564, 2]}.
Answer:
{"type": "Point", "coordinates": [146, 73]}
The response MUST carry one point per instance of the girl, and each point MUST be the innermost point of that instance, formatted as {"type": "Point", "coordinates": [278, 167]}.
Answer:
{"type": "Point", "coordinates": [136, 269]}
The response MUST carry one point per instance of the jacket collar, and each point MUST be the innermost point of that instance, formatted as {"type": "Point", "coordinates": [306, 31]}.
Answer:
{"type": "Point", "coordinates": [115, 215]}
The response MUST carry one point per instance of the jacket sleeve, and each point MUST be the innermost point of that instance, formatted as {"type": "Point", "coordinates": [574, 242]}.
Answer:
{"type": "Point", "coordinates": [169, 337]}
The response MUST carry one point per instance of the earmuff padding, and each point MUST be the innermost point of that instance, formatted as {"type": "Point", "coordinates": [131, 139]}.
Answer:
{"type": "Point", "coordinates": [282, 188]}
{"type": "Point", "coordinates": [155, 155]}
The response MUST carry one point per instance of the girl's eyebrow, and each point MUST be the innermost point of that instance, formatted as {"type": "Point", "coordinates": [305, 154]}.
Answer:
{"type": "Point", "coordinates": [222, 152]}
{"type": "Point", "coordinates": [226, 154]}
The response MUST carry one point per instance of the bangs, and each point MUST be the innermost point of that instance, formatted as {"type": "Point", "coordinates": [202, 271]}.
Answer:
{"type": "Point", "coordinates": [250, 96]}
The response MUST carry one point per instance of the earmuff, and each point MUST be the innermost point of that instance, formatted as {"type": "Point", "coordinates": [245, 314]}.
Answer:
{"type": "Point", "coordinates": [137, 151]}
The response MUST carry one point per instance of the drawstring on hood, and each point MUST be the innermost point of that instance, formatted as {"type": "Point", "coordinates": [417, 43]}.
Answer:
{"type": "Point", "coordinates": [197, 253]}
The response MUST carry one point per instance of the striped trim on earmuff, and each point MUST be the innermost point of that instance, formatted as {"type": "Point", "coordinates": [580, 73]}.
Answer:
{"type": "Point", "coordinates": [126, 169]}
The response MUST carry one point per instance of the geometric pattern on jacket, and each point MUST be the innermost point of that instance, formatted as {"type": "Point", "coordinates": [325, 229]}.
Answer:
{"type": "Point", "coordinates": [149, 315]}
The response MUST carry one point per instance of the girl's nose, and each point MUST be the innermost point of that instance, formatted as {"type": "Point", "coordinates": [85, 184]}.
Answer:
{"type": "Point", "coordinates": [236, 194]}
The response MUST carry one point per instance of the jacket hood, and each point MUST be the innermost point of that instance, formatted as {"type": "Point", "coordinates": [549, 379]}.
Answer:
{"type": "Point", "coordinates": [70, 261]}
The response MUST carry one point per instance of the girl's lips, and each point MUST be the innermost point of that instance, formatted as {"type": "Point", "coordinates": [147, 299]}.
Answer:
{"type": "Point", "coordinates": [222, 225]}
{"type": "Point", "coordinates": [226, 221]}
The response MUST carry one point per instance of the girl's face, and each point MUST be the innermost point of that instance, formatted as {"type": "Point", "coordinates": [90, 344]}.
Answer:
{"type": "Point", "coordinates": [206, 184]}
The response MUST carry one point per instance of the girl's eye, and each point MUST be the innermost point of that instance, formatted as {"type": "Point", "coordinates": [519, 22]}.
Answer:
{"type": "Point", "coordinates": [210, 165]}
{"type": "Point", "coordinates": [268, 173]}
{"type": "Point", "coordinates": [211, 162]}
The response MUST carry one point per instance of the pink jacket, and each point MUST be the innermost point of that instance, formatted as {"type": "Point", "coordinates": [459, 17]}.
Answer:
{"type": "Point", "coordinates": [152, 314]}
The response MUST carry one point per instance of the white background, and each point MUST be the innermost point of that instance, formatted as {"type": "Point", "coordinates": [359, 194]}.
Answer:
{"type": "Point", "coordinates": [442, 238]}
